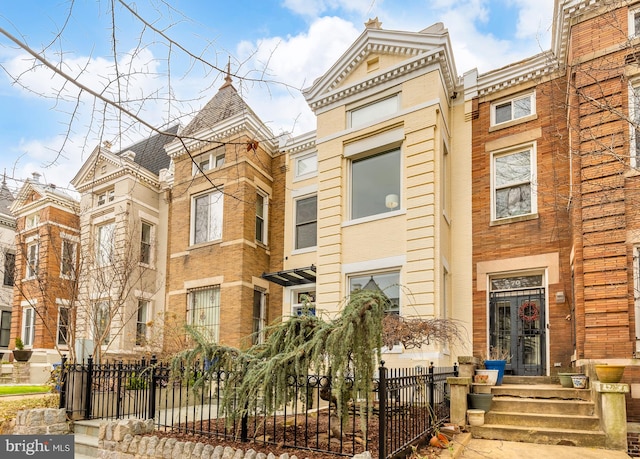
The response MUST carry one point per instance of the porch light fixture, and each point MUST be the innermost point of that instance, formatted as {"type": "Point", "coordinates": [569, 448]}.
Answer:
{"type": "Point", "coordinates": [392, 201]}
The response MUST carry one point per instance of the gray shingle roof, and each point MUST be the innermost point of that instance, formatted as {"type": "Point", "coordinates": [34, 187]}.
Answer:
{"type": "Point", "coordinates": [225, 104]}
{"type": "Point", "coordinates": [6, 198]}
{"type": "Point", "coordinates": [150, 152]}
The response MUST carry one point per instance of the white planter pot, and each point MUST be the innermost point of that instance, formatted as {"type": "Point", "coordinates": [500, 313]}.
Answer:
{"type": "Point", "coordinates": [475, 417]}
{"type": "Point", "coordinates": [492, 376]}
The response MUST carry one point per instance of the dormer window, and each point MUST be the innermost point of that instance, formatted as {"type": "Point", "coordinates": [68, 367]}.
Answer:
{"type": "Point", "coordinates": [106, 196]}
{"type": "Point", "coordinates": [32, 221]}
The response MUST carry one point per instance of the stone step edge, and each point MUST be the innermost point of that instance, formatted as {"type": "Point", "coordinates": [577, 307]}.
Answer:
{"type": "Point", "coordinates": [546, 415]}
{"type": "Point", "coordinates": [509, 398]}
{"type": "Point", "coordinates": [84, 439]}
{"type": "Point", "coordinates": [543, 429]}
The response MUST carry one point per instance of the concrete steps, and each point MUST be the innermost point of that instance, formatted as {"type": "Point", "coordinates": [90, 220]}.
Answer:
{"type": "Point", "coordinates": [86, 438]}
{"type": "Point", "coordinates": [543, 413]}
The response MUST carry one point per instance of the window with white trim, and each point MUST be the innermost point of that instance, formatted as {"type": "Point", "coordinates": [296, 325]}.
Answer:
{"type": "Point", "coordinates": [106, 197]}
{"type": "Point", "coordinates": [306, 166]}
{"type": "Point", "coordinates": [203, 311]}
{"type": "Point", "coordinates": [259, 315]}
{"type": "Point", "coordinates": [68, 259]}
{"type": "Point", "coordinates": [512, 182]}
{"type": "Point", "coordinates": [634, 127]}
{"type": "Point", "coordinates": [31, 221]}
{"type": "Point", "coordinates": [105, 244]}
{"type": "Point", "coordinates": [9, 269]}
{"type": "Point", "coordinates": [206, 211]}
{"type": "Point", "coordinates": [64, 316]}
{"type": "Point", "coordinates": [209, 160]}
{"type": "Point", "coordinates": [387, 283]}
{"type": "Point", "coordinates": [304, 302]}
{"type": "Point", "coordinates": [146, 232]}
{"type": "Point", "coordinates": [374, 111]}
{"type": "Point", "coordinates": [375, 184]}
{"type": "Point", "coordinates": [262, 213]}
{"type": "Point", "coordinates": [102, 322]}
{"type": "Point", "coordinates": [28, 325]}
{"type": "Point", "coordinates": [513, 109]}
{"type": "Point", "coordinates": [142, 319]}
{"type": "Point", "coordinates": [33, 250]}
{"type": "Point", "coordinates": [634, 22]}
{"type": "Point", "coordinates": [5, 328]}
{"type": "Point", "coordinates": [306, 231]}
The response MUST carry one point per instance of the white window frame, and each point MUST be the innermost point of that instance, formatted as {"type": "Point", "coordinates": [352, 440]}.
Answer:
{"type": "Point", "coordinates": [632, 22]}
{"type": "Point", "coordinates": [211, 330]}
{"type": "Point", "coordinates": [147, 244]}
{"type": "Point", "coordinates": [28, 326]}
{"type": "Point", "coordinates": [397, 194]}
{"type": "Point", "coordinates": [296, 225]}
{"type": "Point", "coordinates": [102, 308]}
{"type": "Point", "coordinates": [33, 258]}
{"type": "Point", "coordinates": [385, 289]}
{"type": "Point", "coordinates": [634, 125]}
{"type": "Point", "coordinates": [5, 327]}
{"type": "Point", "coordinates": [259, 323]}
{"type": "Point", "coordinates": [142, 329]}
{"type": "Point", "coordinates": [65, 343]}
{"type": "Point", "coordinates": [8, 275]}
{"type": "Point", "coordinates": [373, 112]}
{"type": "Point", "coordinates": [308, 159]}
{"type": "Point", "coordinates": [106, 196]}
{"type": "Point", "coordinates": [32, 220]}
{"type": "Point", "coordinates": [215, 203]}
{"type": "Point", "coordinates": [530, 95]}
{"type": "Point", "coordinates": [297, 306]}
{"type": "Point", "coordinates": [531, 147]}
{"type": "Point", "coordinates": [105, 246]}
{"type": "Point", "coordinates": [214, 159]}
{"type": "Point", "coordinates": [74, 249]}
{"type": "Point", "coordinates": [262, 233]}
{"type": "Point", "coordinates": [445, 182]}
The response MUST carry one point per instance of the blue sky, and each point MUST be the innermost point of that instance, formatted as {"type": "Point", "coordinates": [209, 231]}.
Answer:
{"type": "Point", "coordinates": [46, 127]}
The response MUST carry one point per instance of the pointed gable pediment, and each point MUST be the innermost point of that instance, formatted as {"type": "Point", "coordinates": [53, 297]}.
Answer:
{"type": "Point", "coordinates": [380, 57]}
{"type": "Point", "coordinates": [34, 194]}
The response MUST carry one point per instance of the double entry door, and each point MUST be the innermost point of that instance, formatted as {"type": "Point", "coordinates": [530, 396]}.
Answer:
{"type": "Point", "coordinates": [516, 329]}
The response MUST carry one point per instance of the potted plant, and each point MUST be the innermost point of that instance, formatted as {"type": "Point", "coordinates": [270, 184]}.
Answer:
{"type": "Point", "coordinates": [497, 360]}
{"type": "Point", "coordinates": [611, 374]}
{"type": "Point", "coordinates": [20, 354]}
{"type": "Point", "coordinates": [564, 375]}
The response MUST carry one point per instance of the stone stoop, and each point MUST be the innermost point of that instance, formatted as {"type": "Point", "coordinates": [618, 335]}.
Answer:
{"type": "Point", "coordinates": [86, 438]}
{"type": "Point", "coordinates": [542, 413]}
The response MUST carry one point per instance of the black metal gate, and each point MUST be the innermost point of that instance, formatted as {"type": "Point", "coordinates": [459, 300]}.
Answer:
{"type": "Point", "coordinates": [517, 327]}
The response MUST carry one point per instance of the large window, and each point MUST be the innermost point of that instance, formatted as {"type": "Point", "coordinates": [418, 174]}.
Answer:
{"type": "Point", "coordinates": [513, 109]}
{"type": "Point", "coordinates": [375, 111]}
{"type": "Point", "coordinates": [102, 322]}
{"type": "Point", "coordinates": [259, 316]}
{"type": "Point", "coordinates": [142, 319]}
{"type": "Point", "coordinates": [306, 166]}
{"type": "Point", "coordinates": [204, 311]}
{"type": "Point", "coordinates": [28, 325]}
{"type": "Point", "coordinates": [68, 261]}
{"type": "Point", "coordinates": [634, 128]}
{"type": "Point", "coordinates": [513, 183]}
{"type": "Point", "coordinates": [306, 222]}
{"type": "Point", "coordinates": [262, 208]}
{"type": "Point", "coordinates": [63, 325]}
{"type": "Point", "coordinates": [9, 269]}
{"type": "Point", "coordinates": [33, 250]}
{"type": "Point", "coordinates": [207, 217]}
{"type": "Point", "coordinates": [387, 283]}
{"type": "Point", "coordinates": [5, 328]}
{"type": "Point", "coordinates": [105, 244]}
{"type": "Point", "coordinates": [145, 243]}
{"type": "Point", "coordinates": [634, 22]}
{"type": "Point", "coordinates": [375, 184]}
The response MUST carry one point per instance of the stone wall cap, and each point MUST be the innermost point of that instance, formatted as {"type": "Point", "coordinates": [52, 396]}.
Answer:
{"type": "Point", "coordinates": [619, 388]}
{"type": "Point", "coordinates": [459, 380]}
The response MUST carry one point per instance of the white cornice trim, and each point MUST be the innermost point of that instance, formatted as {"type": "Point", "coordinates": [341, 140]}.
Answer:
{"type": "Point", "coordinates": [303, 142]}
{"type": "Point", "coordinates": [237, 124]}
{"type": "Point", "coordinates": [515, 74]}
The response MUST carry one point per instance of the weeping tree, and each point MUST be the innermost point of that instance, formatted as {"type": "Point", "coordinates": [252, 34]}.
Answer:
{"type": "Point", "coordinates": [347, 348]}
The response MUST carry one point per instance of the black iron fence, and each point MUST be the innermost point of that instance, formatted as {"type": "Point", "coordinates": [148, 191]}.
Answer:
{"type": "Point", "coordinates": [404, 407]}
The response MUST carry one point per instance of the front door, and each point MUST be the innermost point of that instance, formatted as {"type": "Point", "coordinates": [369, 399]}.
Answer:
{"type": "Point", "coordinates": [516, 328]}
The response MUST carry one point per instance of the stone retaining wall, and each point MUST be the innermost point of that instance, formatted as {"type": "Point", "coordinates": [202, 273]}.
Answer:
{"type": "Point", "coordinates": [126, 439]}
{"type": "Point", "coordinates": [41, 421]}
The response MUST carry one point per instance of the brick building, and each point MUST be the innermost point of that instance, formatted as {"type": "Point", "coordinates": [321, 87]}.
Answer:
{"type": "Point", "coordinates": [225, 224]}
{"type": "Point", "coordinates": [46, 261]}
{"type": "Point", "coordinates": [7, 263]}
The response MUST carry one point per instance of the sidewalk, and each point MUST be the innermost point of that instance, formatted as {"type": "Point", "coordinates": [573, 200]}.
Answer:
{"type": "Point", "coordinates": [471, 448]}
